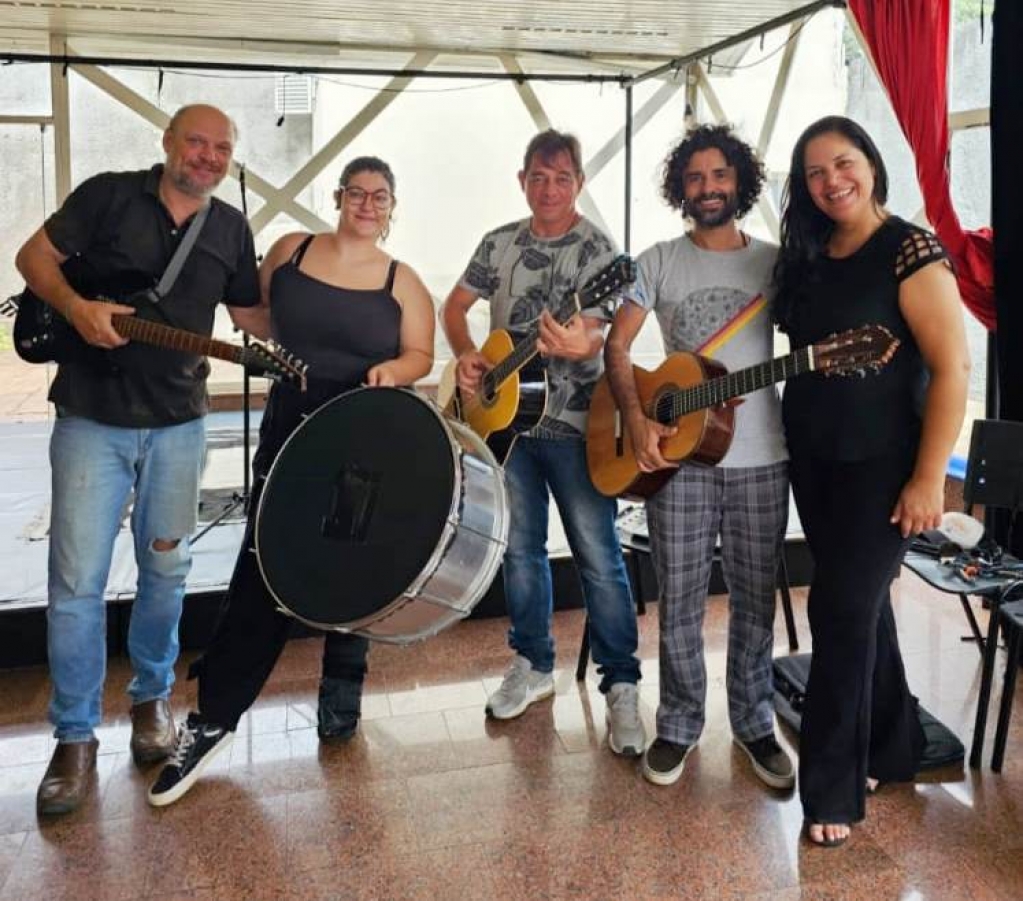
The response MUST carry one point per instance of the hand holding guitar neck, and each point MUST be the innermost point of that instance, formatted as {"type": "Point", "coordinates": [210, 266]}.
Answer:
{"type": "Point", "coordinates": [94, 322]}
{"type": "Point", "coordinates": [572, 341]}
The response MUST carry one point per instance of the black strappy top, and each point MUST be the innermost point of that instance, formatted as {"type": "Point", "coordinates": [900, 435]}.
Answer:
{"type": "Point", "coordinates": [341, 333]}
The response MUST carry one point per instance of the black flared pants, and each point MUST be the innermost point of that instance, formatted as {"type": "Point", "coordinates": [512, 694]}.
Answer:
{"type": "Point", "coordinates": [860, 718]}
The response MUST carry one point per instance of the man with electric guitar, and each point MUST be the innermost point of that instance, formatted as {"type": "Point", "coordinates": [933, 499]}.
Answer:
{"type": "Point", "coordinates": [537, 274]}
{"type": "Point", "coordinates": [130, 421]}
{"type": "Point", "coordinates": [710, 290]}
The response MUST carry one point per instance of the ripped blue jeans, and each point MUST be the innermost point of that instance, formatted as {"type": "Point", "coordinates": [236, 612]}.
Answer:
{"type": "Point", "coordinates": [95, 468]}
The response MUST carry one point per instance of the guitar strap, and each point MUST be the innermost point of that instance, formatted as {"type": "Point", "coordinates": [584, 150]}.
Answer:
{"type": "Point", "coordinates": [177, 262]}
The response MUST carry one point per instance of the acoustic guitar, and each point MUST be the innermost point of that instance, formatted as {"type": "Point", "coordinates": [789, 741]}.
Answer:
{"type": "Point", "coordinates": [690, 392]}
{"type": "Point", "coordinates": [42, 335]}
{"type": "Point", "coordinates": [512, 396]}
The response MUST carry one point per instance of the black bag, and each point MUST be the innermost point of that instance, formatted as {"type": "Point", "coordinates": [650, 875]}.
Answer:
{"type": "Point", "coordinates": [790, 676]}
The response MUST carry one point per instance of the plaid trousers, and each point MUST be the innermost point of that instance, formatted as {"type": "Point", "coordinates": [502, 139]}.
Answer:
{"type": "Point", "coordinates": [747, 508]}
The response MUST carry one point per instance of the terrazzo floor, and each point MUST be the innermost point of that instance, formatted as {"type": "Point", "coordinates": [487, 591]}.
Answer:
{"type": "Point", "coordinates": [432, 801]}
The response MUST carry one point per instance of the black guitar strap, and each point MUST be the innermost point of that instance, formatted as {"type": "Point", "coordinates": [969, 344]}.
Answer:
{"type": "Point", "coordinates": [173, 270]}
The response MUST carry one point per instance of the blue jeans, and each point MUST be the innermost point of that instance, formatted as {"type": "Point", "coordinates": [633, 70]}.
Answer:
{"type": "Point", "coordinates": [94, 469]}
{"type": "Point", "coordinates": [588, 518]}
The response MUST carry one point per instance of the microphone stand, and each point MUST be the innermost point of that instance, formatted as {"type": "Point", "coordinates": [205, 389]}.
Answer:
{"type": "Point", "coordinates": [239, 499]}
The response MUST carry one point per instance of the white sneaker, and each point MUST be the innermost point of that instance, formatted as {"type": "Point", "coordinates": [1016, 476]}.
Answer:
{"type": "Point", "coordinates": [522, 686]}
{"type": "Point", "coordinates": [625, 732]}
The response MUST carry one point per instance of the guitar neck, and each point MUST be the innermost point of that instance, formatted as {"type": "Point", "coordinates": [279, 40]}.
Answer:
{"type": "Point", "coordinates": [716, 391]}
{"type": "Point", "coordinates": [176, 339]}
{"type": "Point", "coordinates": [521, 354]}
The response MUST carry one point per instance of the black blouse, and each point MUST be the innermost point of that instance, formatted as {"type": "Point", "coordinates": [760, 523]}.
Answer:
{"type": "Point", "coordinates": [852, 417]}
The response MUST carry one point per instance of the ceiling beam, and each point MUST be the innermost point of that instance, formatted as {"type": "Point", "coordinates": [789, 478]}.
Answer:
{"type": "Point", "coordinates": [297, 68]}
{"type": "Point", "coordinates": [158, 117]}
{"type": "Point", "coordinates": [330, 151]}
{"type": "Point", "coordinates": [679, 61]}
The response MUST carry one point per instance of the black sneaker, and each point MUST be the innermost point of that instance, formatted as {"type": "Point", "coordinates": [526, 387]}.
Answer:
{"type": "Point", "coordinates": [770, 762]}
{"type": "Point", "coordinates": [664, 761]}
{"type": "Point", "coordinates": [338, 709]}
{"type": "Point", "coordinates": [198, 743]}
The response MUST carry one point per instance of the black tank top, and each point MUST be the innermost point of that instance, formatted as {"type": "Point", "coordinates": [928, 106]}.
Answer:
{"type": "Point", "coordinates": [341, 333]}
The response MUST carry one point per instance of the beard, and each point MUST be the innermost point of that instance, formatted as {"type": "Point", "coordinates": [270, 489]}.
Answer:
{"type": "Point", "coordinates": [182, 180]}
{"type": "Point", "coordinates": [712, 219]}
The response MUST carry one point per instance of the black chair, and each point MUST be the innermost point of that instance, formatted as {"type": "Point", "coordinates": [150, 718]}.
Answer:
{"type": "Point", "coordinates": [994, 479]}
{"type": "Point", "coordinates": [1011, 615]}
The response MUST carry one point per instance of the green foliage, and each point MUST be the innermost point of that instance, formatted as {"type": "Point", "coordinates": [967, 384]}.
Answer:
{"type": "Point", "coordinates": [967, 10]}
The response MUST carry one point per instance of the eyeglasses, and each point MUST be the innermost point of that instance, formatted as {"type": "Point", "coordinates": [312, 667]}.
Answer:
{"type": "Point", "coordinates": [382, 199]}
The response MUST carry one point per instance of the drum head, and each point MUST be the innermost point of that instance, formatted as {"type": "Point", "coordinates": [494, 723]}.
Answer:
{"type": "Point", "coordinates": [355, 505]}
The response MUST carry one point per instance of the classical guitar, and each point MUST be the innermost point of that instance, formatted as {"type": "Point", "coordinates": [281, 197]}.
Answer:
{"type": "Point", "coordinates": [41, 335]}
{"type": "Point", "coordinates": [512, 395]}
{"type": "Point", "coordinates": [689, 391]}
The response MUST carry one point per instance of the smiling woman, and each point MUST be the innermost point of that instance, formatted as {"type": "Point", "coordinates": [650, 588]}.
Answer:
{"type": "Point", "coordinates": [875, 449]}
{"type": "Point", "coordinates": [355, 315]}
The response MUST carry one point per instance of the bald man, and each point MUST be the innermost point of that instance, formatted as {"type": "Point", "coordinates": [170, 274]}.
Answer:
{"type": "Point", "coordinates": [130, 424]}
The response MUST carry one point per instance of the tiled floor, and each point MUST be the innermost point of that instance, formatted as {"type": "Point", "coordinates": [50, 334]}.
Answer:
{"type": "Point", "coordinates": [432, 801]}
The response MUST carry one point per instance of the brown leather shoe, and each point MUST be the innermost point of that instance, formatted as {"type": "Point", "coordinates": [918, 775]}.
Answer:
{"type": "Point", "coordinates": [152, 731]}
{"type": "Point", "coordinates": [70, 775]}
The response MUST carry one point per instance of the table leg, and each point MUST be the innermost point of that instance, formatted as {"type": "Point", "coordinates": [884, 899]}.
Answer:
{"type": "Point", "coordinates": [972, 620]}
{"type": "Point", "coordinates": [987, 675]}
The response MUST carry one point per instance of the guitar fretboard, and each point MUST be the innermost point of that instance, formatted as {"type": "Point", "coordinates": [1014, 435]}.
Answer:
{"type": "Point", "coordinates": [520, 355]}
{"type": "Point", "coordinates": [675, 404]}
{"type": "Point", "coordinates": [164, 336]}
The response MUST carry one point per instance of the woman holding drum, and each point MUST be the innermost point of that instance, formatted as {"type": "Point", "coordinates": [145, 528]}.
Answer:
{"type": "Point", "coordinates": [355, 315]}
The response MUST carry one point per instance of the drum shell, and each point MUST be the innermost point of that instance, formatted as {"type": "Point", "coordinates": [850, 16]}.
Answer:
{"type": "Point", "coordinates": [469, 555]}
{"type": "Point", "coordinates": [468, 500]}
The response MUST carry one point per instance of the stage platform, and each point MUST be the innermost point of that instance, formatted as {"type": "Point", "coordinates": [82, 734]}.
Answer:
{"type": "Point", "coordinates": [24, 520]}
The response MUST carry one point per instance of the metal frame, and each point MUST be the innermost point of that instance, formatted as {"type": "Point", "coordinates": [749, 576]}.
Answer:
{"type": "Point", "coordinates": [283, 199]}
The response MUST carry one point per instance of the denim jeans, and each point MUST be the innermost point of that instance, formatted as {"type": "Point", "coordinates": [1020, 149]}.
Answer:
{"type": "Point", "coordinates": [588, 517]}
{"type": "Point", "coordinates": [94, 469]}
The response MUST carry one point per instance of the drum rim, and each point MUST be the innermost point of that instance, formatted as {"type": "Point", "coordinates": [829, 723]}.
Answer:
{"type": "Point", "coordinates": [446, 533]}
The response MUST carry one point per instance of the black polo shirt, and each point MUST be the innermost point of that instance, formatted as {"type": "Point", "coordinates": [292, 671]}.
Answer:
{"type": "Point", "coordinates": [120, 238]}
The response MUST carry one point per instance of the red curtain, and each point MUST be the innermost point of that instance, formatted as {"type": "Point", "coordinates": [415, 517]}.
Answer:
{"type": "Point", "coordinates": [908, 40]}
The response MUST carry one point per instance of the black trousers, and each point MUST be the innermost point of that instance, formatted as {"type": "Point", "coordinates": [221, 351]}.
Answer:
{"type": "Point", "coordinates": [859, 719]}
{"type": "Point", "coordinates": [251, 632]}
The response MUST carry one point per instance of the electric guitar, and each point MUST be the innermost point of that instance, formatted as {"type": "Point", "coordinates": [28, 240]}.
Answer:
{"type": "Point", "coordinates": [689, 392]}
{"type": "Point", "coordinates": [42, 335]}
{"type": "Point", "coordinates": [512, 396]}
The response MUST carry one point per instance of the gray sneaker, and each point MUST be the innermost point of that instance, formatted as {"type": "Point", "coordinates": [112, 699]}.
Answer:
{"type": "Point", "coordinates": [625, 733]}
{"type": "Point", "coordinates": [770, 762]}
{"type": "Point", "coordinates": [664, 761]}
{"type": "Point", "coordinates": [522, 686]}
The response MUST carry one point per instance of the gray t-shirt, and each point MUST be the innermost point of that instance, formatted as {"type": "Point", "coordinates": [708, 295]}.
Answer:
{"type": "Point", "coordinates": [521, 274]}
{"type": "Point", "coordinates": [696, 294]}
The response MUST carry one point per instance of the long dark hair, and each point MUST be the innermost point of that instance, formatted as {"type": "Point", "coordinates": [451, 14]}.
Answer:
{"type": "Point", "coordinates": [749, 171]}
{"type": "Point", "coordinates": [804, 228]}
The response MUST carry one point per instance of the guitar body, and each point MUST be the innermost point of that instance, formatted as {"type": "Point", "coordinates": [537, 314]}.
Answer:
{"type": "Point", "coordinates": [703, 436]}
{"type": "Point", "coordinates": [41, 335]}
{"type": "Point", "coordinates": [500, 417]}
{"type": "Point", "coordinates": [513, 394]}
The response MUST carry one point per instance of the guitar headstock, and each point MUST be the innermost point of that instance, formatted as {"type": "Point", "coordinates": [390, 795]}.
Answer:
{"type": "Point", "coordinates": [856, 351]}
{"type": "Point", "coordinates": [602, 288]}
{"type": "Point", "coordinates": [271, 360]}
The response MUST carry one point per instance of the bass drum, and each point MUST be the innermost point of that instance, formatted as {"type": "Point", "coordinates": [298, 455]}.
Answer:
{"type": "Point", "coordinates": [381, 517]}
